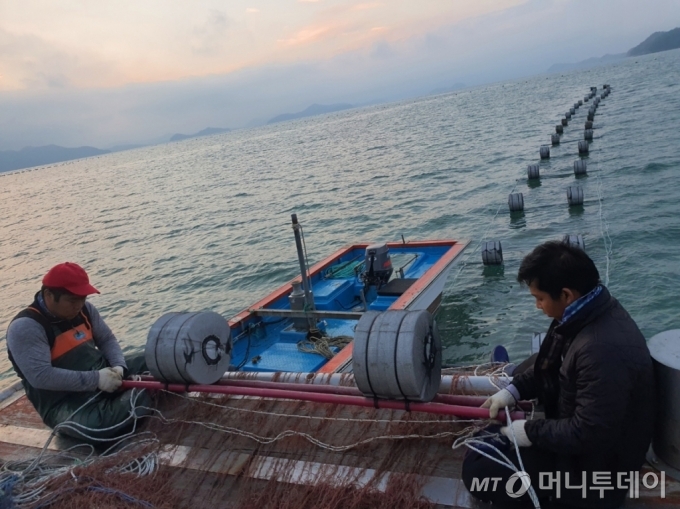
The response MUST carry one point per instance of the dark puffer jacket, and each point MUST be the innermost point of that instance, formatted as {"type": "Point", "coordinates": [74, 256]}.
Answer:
{"type": "Point", "coordinates": [600, 403]}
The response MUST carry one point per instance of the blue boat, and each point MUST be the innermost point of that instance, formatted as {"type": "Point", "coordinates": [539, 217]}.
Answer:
{"type": "Point", "coordinates": [279, 332]}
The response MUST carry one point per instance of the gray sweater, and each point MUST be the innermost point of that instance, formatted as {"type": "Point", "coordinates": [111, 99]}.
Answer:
{"type": "Point", "coordinates": [27, 341]}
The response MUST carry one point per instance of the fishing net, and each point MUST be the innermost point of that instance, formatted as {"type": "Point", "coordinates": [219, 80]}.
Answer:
{"type": "Point", "coordinates": [228, 451]}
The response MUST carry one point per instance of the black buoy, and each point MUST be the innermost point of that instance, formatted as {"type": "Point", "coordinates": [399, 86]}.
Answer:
{"type": "Point", "coordinates": [565, 122]}
{"type": "Point", "coordinates": [589, 124]}
{"type": "Point", "coordinates": [585, 99]}
{"type": "Point", "coordinates": [559, 129]}
{"type": "Point", "coordinates": [588, 135]}
{"type": "Point", "coordinates": [555, 139]}
{"type": "Point", "coordinates": [516, 202]}
{"type": "Point", "coordinates": [567, 115]}
{"type": "Point", "coordinates": [492, 253]}
{"type": "Point", "coordinates": [572, 111]}
{"type": "Point", "coordinates": [591, 116]}
{"type": "Point", "coordinates": [580, 167]}
{"type": "Point", "coordinates": [533, 172]}
{"type": "Point", "coordinates": [583, 147]}
{"type": "Point", "coordinates": [544, 152]}
{"type": "Point", "coordinates": [575, 195]}
{"type": "Point", "coordinates": [580, 103]}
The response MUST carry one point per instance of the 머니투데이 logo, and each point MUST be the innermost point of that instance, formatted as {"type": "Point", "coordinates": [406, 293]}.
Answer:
{"type": "Point", "coordinates": [511, 487]}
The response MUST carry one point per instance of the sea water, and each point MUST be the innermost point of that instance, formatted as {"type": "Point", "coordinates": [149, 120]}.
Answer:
{"type": "Point", "coordinates": [204, 224]}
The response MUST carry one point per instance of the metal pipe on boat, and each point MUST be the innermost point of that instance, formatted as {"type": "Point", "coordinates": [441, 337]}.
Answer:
{"type": "Point", "coordinates": [446, 399]}
{"type": "Point", "coordinates": [482, 385]}
{"type": "Point", "coordinates": [309, 298]}
{"type": "Point", "coordinates": [431, 408]}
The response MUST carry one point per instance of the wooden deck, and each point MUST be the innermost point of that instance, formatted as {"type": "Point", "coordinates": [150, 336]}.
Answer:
{"type": "Point", "coordinates": [211, 463]}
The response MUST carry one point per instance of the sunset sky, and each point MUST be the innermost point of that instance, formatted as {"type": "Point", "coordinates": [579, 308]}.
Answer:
{"type": "Point", "coordinates": [66, 66]}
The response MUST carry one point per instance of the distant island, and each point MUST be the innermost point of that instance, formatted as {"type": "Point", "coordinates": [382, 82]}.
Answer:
{"type": "Point", "coordinates": [37, 156]}
{"type": "Point", "coordinates": [658, 41]}
{"type": "Point", "coordinates": [208, 131]}
{"type": "Point", "coordinates": [314, 109]}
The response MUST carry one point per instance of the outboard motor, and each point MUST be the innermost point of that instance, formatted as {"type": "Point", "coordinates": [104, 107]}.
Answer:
{"type": "Point", "coordinates": [377, 266]}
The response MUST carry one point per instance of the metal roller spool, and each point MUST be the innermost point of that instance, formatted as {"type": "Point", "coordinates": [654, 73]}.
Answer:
{"type": "Point", "coordinates": [492, 253]}
{"type": "Point", "coordinates": [575, 195]}
{"type": "Point", "coordinates": [575, 241]}
{"type": "Point", "coordinates": [359, 359]}
{"type": "Point", "coordinates": [588, 134]}
{"type": "Point", "coordinates": [583, 147]}
{"type": "Point", "coordinates": [189, 348]}
{"type": "Point", "coordinates": [544, 152]}
{"type": "Point", "coordinates": [565, 122]}
{"type": "Point", "coordinates": [516, 202]}
{"type": "Point", "coordinates": [397, 355]}
{"type": "Point", "coordinates": [533, 171]}
{"type": "Point", "coordinates": [589, 124]}
{"type": "Point", "coordinates": [555, 139]}
{"type": "Point", "coordinates": [559, 129]}
{"type": "Point", "coordinates": [580, 167]}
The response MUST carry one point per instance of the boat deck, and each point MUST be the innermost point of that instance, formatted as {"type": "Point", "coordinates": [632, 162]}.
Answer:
{"type": "Point", "coordinates": [262, 452]}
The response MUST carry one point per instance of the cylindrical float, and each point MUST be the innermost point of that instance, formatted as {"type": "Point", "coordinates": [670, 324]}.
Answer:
{"type": "Point", "coordinates": [575, 195]}
{"type": "Point", "coordinates": [665, 351]}
{"type": "Point", "coordinates": [589, 124]}
{"type": "Point", "coordinates": [575, 241]}
{"type": "Point", "coordinates": [588, 135]}
{"type": "Point", "coordinates": [565, 122]}
{"type": "Point", "coordinates": [533, 171]}
{"type": "Point", "coordinates": [516, 202]}
{"type": "Point", "coordinates": [580, 167]}
{"type": "Point", "coordinates": [555, 139]}
{"type": "Point", "coordinates": [544, 152]}
{"type": "Point", "coordinates": [583, 147]}
{"type": "Point", "coordinates": [492, 253]}
{"type": "Point", "coordinates": [189, 348]}
{"type": "Point", "coordinates": [559, 129]}
{"type": "Point", "coordinates": [397, 355]}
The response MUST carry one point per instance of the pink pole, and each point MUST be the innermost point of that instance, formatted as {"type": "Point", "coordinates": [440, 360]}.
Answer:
{"type": "Point", "coordinates": [463, 412]}
{"type": "Point", "coordinates": [447, 399]}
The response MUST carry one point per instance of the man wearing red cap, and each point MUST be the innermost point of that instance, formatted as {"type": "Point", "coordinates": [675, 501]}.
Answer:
{"type": "Point", "coordinates": [64, 353]}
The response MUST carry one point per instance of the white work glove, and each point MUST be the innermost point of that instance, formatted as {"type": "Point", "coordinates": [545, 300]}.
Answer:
{"type": "Point", "coordinates": [517, 427]}
{"type": "Point", "coordinates": [109, 380]}
{"type": "Point", "coordinates": [119, 370]}
{"type": "Point", "coordinates": [499, 401]}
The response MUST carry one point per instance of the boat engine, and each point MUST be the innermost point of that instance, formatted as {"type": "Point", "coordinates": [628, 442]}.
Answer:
{"type": "Point", "coordinates": [377, 266]}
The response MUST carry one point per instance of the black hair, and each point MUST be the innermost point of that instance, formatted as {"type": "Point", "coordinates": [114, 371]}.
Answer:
{"type": "Point", "coordinates": [555, 265]}
{"type": "Point", "coordinates": [56, 292]}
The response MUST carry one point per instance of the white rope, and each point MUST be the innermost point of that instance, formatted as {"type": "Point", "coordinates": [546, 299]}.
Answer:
{"type": "Point", "coordinates": [470, 442]}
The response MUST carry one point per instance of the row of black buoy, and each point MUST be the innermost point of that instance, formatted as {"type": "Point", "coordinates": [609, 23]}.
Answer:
{"type": "Point", "coordinates": [492, 252]}
{"type": "Point", "coordinates": [583, 145]}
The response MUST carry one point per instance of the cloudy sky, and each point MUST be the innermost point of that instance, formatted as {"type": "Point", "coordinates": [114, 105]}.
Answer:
{"type": "Point", "coordinates": [78, 72]}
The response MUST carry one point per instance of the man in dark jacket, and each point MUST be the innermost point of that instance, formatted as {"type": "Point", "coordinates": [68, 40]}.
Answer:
{"type": "Point", "coordinates": [594, 377]}
{"type": "Point", "coordinates": [70, 363]}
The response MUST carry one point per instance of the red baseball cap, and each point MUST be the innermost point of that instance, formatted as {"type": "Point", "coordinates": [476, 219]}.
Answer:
{"type": "Point", "coordinates": [70, 276]}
